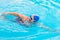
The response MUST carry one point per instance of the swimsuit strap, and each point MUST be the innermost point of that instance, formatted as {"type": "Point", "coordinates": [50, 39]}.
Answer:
{"type": "Point", "coordinates": [18, 19]}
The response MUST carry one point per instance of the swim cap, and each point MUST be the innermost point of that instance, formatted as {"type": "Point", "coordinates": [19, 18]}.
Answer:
{"type": "Point", "coordinates": [36, 18]}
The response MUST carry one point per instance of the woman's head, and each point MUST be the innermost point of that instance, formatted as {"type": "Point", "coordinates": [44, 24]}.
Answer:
{"type": "Point", "coordinates": [34, 18]}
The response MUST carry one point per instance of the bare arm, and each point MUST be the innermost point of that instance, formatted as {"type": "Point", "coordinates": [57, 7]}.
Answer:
{"type": "Point", "coordinates": [45, 27]}
{"type": "Point", "coordinates": [16, 14]}
{"type": "Point", "coordinates": [13, 13]}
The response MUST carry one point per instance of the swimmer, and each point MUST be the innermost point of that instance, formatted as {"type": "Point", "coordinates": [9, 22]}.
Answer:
{"type": "Point", "coordinates": [24, 19]}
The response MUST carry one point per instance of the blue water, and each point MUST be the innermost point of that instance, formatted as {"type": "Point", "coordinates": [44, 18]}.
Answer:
{"type": "Point", "coordinates": [48, 10]}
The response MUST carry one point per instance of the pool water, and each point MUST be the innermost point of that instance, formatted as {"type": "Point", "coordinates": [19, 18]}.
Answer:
{"type": "Point", "coordinates": [48, 10]}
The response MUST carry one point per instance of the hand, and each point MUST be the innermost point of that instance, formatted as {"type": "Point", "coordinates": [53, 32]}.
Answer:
{"type": "Point", "coordinates": [6, 13]}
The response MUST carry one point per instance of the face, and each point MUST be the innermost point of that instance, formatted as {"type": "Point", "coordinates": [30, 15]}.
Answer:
{"type": "Point", "coordinates": [31, 18]}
